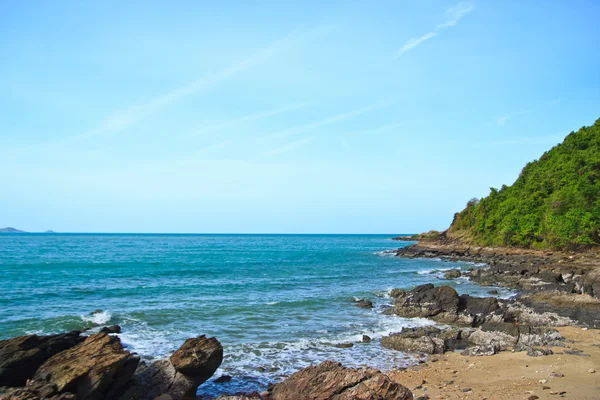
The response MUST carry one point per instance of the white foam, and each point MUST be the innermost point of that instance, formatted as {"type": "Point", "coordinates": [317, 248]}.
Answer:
{"type": "Point", "coordinates": [271, 303]}
{"type": "Point", "coordinates": [98, 318]}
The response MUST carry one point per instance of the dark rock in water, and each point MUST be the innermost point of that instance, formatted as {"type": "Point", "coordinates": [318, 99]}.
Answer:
{"type": "Point", "coordinates": [223, 379]}
{"type": "Point", "coordinates": [366, 338]}
{"type": "Point", "coordinates": [178, 377]}
{"type": "Point", "coordinates": [344, 345]}
{"type": "Point", "coordinates": [111, 329]}
{"type": "Point", "coordinates": [493, 292]}
{"type": "Point", "coordinates": [198, 357]}
{"type": "Point", "coordinates": [331, 381]}
{"type": "Point", "coordinates": [452, 274]}
{"type": "Point", "coordinates": [97, 368]}
{"type": "Point", "coordinates": [364, 303]}
{"type": "Point", "coordinates": [20, 357]}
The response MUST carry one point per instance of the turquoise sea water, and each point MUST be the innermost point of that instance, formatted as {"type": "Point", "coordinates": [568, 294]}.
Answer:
{"type": "Point", "coordinates": [277, 303]}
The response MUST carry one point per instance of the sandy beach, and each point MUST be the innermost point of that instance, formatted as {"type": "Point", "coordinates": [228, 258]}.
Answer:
{"type": "Point", "coordinates": [509, 375]}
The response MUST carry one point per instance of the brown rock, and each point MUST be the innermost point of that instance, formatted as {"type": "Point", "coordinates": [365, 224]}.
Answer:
{"type": "Point", "coordinates": [330, 380]}
{"type": "Point", "coordinates": [20, 357]}
{"type": "Point", "coordinates": [98, 368]}
{"type": "Point", "coordinates": [198, 357]}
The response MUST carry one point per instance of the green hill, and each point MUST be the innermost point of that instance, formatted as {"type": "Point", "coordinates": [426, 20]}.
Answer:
{"type": "Point", "coordinates": [554, 204]}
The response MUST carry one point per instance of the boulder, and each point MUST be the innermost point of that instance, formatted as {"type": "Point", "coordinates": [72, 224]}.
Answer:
{"type": "Point", "coordinates": [21, 393]}
{"type": "Point", "coordinates": [426, 301]}
{"type": "Point", "coordinates": [178, 377]}
{"type": "Point", "coordinates": [429, 340]}
{"type": "Point", "coordinates": [364, 303]}
{"type": "Point", "coordinates": [452, 274]}
{"type": "Point", "coordinates": [111, 329]}
{"type": "Point", "coordinates": [475, 311]}
{"type": "Point", "coordinates": [97, 368]}
{"type": "Point", "coordinates": [331, 381]}
{"type": "Point", "coordinates": [20, 357]}
{"type": "Point", "coordinates": [486, 350]}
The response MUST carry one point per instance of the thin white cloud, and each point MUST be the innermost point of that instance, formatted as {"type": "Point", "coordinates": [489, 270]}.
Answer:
{"type": "Point", "coordinates": [327, 121]}
{"type": "Point", "coordinates": [124, 118]}
{"type": "Point", "coordinates": [502, 120]}
{"type": "Point", "coordinates": [290, 146]}
{"type": "Point", "coordinates": [247, 118]}
{"type": "Point", "coordinates": [453, 15]}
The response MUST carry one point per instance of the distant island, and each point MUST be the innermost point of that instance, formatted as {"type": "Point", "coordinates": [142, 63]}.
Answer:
{"type": "Point", "coordinates": [10, 230]}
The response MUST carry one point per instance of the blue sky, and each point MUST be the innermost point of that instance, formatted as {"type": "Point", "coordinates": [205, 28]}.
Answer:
{"type": "Point", "coordinates": [349, 117]}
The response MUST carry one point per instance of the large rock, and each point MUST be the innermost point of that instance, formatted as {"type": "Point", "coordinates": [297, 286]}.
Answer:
{"type": "Point", "coordinates": [426, 301]}
{"type": "Point", "coordinates": [429, 340]}
{"type": "Point", "coordinates": [98, 368]}
{"type": "Point", "coordinates": [178, 377]}
{"type": "Point", "coordinates": [331, 381]}
{"type": "Point", "coordinates": [21, 393]}
{"type": "Point", "coordinates": [20, 357]}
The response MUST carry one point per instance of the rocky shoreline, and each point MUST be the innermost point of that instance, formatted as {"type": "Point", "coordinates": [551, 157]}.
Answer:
{"type": "Point", "coordinates": [555, 290]}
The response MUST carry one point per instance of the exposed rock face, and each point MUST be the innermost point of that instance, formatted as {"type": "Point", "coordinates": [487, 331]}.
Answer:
{"type": "Point", "coordinates": [429, 340]}
{"type": "Point", "coordinates": [180, 376]}
{"type": "Point", "coordinates": [443, 304]}
{"type": "Point", "coordinates": [97, 368]}
{"type": "Point", "coordinates": [331, 381]}
{"type": "Point", "coordinates": [20, 357]}
{"type": "Point", "coordinates": [426, 301]}
{"type": "Point", "coordinates": [30, 394]}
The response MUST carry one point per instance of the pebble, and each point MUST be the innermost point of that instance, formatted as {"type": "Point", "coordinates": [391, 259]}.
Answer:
{"type": "Point", "coordinates": [592, 371]}
{"type": "Point", "coordinates": [556, 375]}
{"type": "Point", "coordinates": [543, 381]}
{"type": "Point", "coordinates": [465, 390]}
{"type": "Point", "coordinates": [534, 397]}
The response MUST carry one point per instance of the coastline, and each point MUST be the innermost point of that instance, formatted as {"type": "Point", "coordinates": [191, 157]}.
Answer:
{"type": "Point", "coordinates": [556, 345]}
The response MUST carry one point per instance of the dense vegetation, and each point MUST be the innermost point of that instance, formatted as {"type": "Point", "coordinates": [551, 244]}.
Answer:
{"type": "Point", "coordinates": [555, 202]}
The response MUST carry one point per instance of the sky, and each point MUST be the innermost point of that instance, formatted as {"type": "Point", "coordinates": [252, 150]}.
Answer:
{"type": "Point", "coordinates": [281, 117]}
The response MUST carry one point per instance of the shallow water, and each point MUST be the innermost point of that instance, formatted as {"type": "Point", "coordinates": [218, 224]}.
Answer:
{"type": "Point", "coordinates": [277, 303]}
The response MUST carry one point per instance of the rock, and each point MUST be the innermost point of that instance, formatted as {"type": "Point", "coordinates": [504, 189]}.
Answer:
{"type": "Point", "coordinates": [485, 350]}
{"type": "Point", "coordinates": [555, 375]}
{"type": "Point", "coordinates": [575, 352]}
{"type": "Point", "coordinates": [395, 293]}
{"type": "Point", "coordinates": [493, 292]}
{"type": "Point", "coordinates": [223, 379]}
{"type": "Point", "coordinates": [452, 274]}
{"type": "Point", "coordinates": [465, 390]}
{"type": "Point", "coordinates": [592, 371]}
{"type": "Point", "coordinates": [426, 301]}
{"type": "Point", "coordinates": [20, 357]}
{"type": "Point", "coordinates": [429, 340]}
{"type": "Point", "coordinates": [534, 397]}
{"type": "Point", "coordinates": [180, 375]}
{"type": "Point", "coordinates": [97, 368]}
{"type": "Point", "coordinates": [30, 394]}
{"type": "Point", "coordinates": [331, 381]}
{"type": "Point", "coordinates": [476, 311]}
{"type": "Point", "coordinates": [111, 329]}
{"type": "Point", "coordinates": [366, 338]}
{"type": "Point", "coordinates": [538, 352]}
{"type": "Point", "coordinates": [496, 339]}
{"type": "Point", "coordinates": [344, 345]}
{"type": "Point", "coordinates": [364, 303]}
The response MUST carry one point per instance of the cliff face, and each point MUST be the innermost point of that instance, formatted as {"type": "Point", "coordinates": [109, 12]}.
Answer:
{"type": "Point", "coordinates": [554, 204]}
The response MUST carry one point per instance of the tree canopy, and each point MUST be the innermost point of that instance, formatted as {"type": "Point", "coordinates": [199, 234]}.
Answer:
{"type": "Point", "coordinates": [553, 204]}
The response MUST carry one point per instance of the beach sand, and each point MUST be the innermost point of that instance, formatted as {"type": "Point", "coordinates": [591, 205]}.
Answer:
{"type": "Point", "coordinates": [509, 375]}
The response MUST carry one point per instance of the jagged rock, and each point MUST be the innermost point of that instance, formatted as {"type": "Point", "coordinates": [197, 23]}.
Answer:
{"type": "Point", "coordinates": [23, 393]}
{"type": "Point", "coordinates": [331, 381]}
{"type": "Point", "coordinates": [485, 350]}
{"type": "Point", "coordinates": [20, 357]}
{"type": "Point", "coordinates": [97, 368]}
{"type": "Point", "coordinates": [111, 329]}
{"type": "Point", "coordinates": [452, 274]}
{"type": "Point", "coordinates": [429, 340]}
{"type": "Point", "coordinates": [475, 311]}
{"type": "Point", "coordinates": [366, 338]}
{"type": "Point", "coordinates": [426, 301]}
{"type": "Point", "coordinates": [496, 339]}
{"type": "Point", "coordinates": [178, 377]}
{"type": "Point", "coordinates": [395, 293]}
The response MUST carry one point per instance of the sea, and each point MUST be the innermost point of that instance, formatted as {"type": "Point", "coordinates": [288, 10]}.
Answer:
{"type": "Point", "coordinates": [277, 303]}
